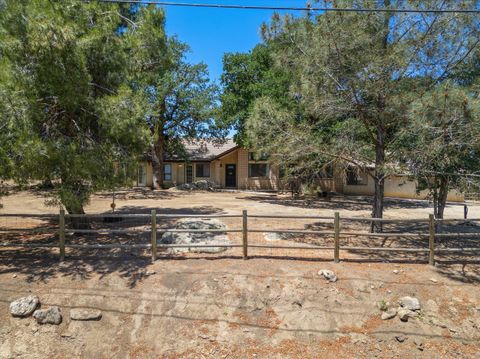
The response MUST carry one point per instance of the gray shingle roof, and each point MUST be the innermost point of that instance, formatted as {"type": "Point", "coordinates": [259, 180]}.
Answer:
{"type": "Point", "coordinates": [205, 150]}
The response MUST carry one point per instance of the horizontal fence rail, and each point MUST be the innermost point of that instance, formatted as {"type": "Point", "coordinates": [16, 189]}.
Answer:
{"type": "Point", "coordinates": [149, 226]}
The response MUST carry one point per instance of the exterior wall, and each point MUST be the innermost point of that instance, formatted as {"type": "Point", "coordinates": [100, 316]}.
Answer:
{"type": "Point", "coordinates": [220, 164]}
{"type": "Point", "coordinates": [395, 186]}
{"type": "Point", "coordinates": [217, 172]}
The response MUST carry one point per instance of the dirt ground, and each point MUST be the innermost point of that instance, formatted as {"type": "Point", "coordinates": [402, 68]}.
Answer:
{"type": "Point", "coordinates": [273, 305]}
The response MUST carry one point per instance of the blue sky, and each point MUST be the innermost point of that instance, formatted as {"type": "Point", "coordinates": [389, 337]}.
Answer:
{"type": "Point", "coordinates": [212, 32]}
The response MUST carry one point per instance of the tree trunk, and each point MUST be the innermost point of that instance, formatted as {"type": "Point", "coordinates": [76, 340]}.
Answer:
{"type": "Point", "coordinates": [442, 198]}
{"type": "Point", "coordinates": [379, 179]}
{"type": "Point", "coordinates": [158, 154]}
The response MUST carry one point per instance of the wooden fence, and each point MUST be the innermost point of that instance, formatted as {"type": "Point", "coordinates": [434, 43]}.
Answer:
{"type": "Point", "coordinates": [154, 244]}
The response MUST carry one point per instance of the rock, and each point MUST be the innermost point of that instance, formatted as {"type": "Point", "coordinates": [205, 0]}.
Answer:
{"type": "Point", "coordinates": [410, 303]}
{"type": "Point", "coordinates": [437, 323]}
{"type": "Point", "coordinates": [85, 314]}
{"type": "Point", "coordinates": [389, 314]}
{"type": "Point", "coordinates": [433, 280]}
{"type": "Point", "coordinates": [328, 275]}
{"type": "Point", "coordinates": [150, 272]}
{"type": "Point", "coordinates": [396, 271]}
{"type": "Point", "coordinates": [24, 307]}
{"type": "Point", "coordinates": [404, 314]}
{"type": "Point", "coordinates": [197, 238]}
{"type": "Point", "coordinates": [201, 185]}
{"type": "Point", "coordinates": [14, 276]}
{"type": "Point", "coordinates": [279, 236]}
{"type": "Point", "coordinates": [419, 344]}
{"type": "Point", "coordinates": [400, 338]}
{"type": "Point", "coordinates": [51, 315]}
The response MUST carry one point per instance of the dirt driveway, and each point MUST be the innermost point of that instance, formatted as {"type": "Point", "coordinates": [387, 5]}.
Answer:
{"type": "Point", "coordinates": [220, 306]}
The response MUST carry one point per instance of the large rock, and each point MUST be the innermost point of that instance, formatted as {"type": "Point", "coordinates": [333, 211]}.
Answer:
{"type": "Point", "coordinates": [410, 303]}
{"type": "Point", "coordinates": [328, 275]}
{"type": "Point", "coordinates": [279, 236]}
{"type": "Point", "coordinates": [24, 307]}
{"type": "Point", "coordinates": [215, 238]}
{"type": "Point", "coordinates": [404, 314]}
{"type": "Point", "coordinates": [51, 315]}
{"type": "Point", "coordinates": [85, 314]}
{"type": "Point", "coordinates": [389, 314]}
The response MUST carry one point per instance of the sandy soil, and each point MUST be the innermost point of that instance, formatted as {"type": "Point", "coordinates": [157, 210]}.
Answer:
{"type": "Point", "coordinates": [230, 308]}
{"type": "Point", "coordinates": [219, 306]}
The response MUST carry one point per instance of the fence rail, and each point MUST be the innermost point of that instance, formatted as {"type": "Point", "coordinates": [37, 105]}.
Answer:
{"type": "Point", "coordinates": [154, 244]}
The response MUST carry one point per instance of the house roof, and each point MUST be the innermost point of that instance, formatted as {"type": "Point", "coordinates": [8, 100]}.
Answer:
{"type": "Point", "coordinates": [205, 149]}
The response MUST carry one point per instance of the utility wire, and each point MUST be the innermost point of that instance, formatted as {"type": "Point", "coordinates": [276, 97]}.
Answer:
{"type": "Point", "coordinates": [287, 8]}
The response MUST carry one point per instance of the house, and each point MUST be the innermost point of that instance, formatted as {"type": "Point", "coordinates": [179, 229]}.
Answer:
{"type": "Point", "coordinates": [222, 162]}
{"type": "Point", "coordinates": [231, 166]}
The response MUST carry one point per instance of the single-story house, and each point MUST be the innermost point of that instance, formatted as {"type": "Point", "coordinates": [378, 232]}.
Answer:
{"type": "Point", "coordinates": [224, 163]}
{"type": "Point", "coordinates": [231, 166]}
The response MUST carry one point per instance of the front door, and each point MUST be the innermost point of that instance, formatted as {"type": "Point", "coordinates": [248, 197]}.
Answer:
{"type": "Point", "coordinates": [189, 174]}
{"type": "Point", "coordinates": [230, 175]}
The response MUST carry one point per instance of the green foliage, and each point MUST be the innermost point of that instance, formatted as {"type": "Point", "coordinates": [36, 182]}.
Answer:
{"type": "Point", "coordinates": [353, 77]}
{"type": "Point", "coordinates": [247, 77]}
{"type": "Point", "coordinates": [441, 147]}
{"type": "Point", "coordinates": [177, 97]}
{"type": "Point", "coordinates": [67, 65]}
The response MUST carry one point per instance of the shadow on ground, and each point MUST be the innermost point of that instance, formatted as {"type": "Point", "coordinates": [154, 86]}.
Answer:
{"type": "Point", "coordinates": [339, 203]}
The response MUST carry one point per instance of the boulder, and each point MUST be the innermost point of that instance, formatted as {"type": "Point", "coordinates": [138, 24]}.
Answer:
{"type": "Point", "coordinates": [279, 236]}
{"type": "Point", "coordinates": [24, 307]}
{"type": "Point", "coordinates": [328, 275]}
{"type": "Point", "coordinates": [51, 315]}
{"type": "Point", "coordinates": [389, 314]}
{"type": "Point", "coordinates": [215, 238]}
{"type": "Point", "coordinates": [410, 303]}
{"type": "Point", "coordinates": [85, 314]}
{"type": "Point", "coordinates": [404, 314]}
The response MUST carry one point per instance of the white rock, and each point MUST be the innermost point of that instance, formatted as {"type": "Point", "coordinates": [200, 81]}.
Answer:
{"type": "Point", "coordinates": [85, 314]}
{"type": "Point", "coordinates": [150, 272]}
{"type": "Point", "coordinates": [24, 307]}
{"type": "Point", "coordinates": [328, 275]}
{"type": "Point", "coordinates": [206, 238]}
{"type": "Point", "coordinates": [389, 314]}
{"type": "Point", "coordinates": [51, 315]}
{"type": "Point", "coordinates": [404, 314]}
{"type": "Point", "coordinates": [410, 303]}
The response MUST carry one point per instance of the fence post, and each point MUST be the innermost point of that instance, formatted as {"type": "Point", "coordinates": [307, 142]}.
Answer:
{"type": "Point", "coordinates": [431, 240]}
{"type": "Point", "coordinates": [61, 234]}
{"type": "Point", "coordinates": [336, 227]}
{"type": "Point", "coordinates": [153, 236]}
{"type": "Point", "coordinates": [245, 235]}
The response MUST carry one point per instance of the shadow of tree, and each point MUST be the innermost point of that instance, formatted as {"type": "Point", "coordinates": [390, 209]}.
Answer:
{"type": "Point", "coordinates": [338, 202]}
{"type": "Point", "coordinates": [141, 193]}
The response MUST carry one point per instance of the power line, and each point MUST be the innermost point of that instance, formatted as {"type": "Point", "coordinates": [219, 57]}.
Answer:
{"type": "Point", "coordinates": [287, 8]}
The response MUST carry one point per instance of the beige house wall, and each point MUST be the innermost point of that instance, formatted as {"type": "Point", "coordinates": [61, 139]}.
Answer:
{"type": "Point", "coordinates": [237, 157]}
{"type": "Point", "coordinates": [395, 186]}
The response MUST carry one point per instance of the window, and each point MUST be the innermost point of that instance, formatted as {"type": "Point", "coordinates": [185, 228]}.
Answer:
{"type": "Point", "coordinates": [356, 177]}
{"type": "Point", "coordinates": [202, 170]}
{"type": "Point", "coordinates": [257, 170]}
{"type": "Point", "coordinates": [167, 172]}
{"type": "Point", "coordinates": [253, 156]}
